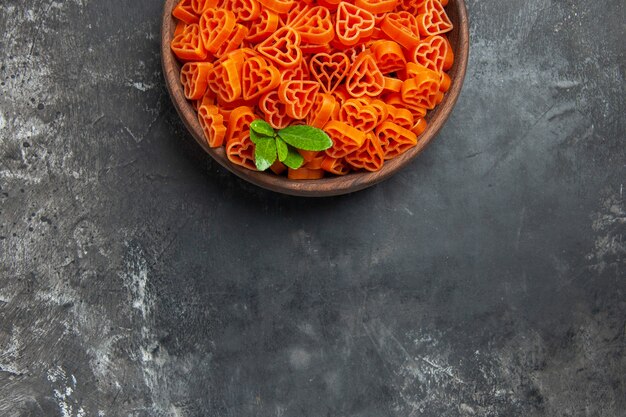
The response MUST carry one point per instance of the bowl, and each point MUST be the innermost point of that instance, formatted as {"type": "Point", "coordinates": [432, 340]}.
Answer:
{"type": "Point", "coordinates": [329, 186]}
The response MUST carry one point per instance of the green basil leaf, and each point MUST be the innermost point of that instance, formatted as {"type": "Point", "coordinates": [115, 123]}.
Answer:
{"type": "Point", "coordinates": [307, 138]}
{"type": "Point", "coordinates": [281, 148]}
{"type": "Point", "coordinates": [262, 128]}
{"type": "Point", "coordinates": [264, 153]}
{"type": "Point", "coordinates": [293, 160]}
{"type": "Point", "coordinates": [255, 137]}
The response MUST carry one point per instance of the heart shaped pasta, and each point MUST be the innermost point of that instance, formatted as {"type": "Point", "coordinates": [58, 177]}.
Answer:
{"type": "Point", "coordinates": [258, 78]}
{"type": "Point", "coordinates": [335, 166]}
{"type": "Point", "coordinates": [234, 42]}
{"type": "Point", "coordinates": [389, 56]}
{"type": "Point", "coordinates": [365, 78]}
{"type": "Point", "coordinates": [400, 116]}
{"type": "Point", "coordinates": [434, 53]}
{"type": "Point", "coordinates": [422, 92]}
{"type": "Point", "coordinates": [315, 25]}
{"type": "Point", "coordinates": [365, 72]}
{"type": "Point", "coordinates": [370, 156]}
{"type": "Point", "coordinates": [212, 123]}
{"type": "Point", "coordinates": [298, 97]}
{"type": "Point", "coordinates": [240, 151]}
{"type": "Point", "coordinates": [215, 27]}
{"type": "Point", "coordinates": [185, 12]}
{"type": "Point", "coordinates": [359, 114]}
{"type": "Point", "coordinates": [239, 122]}
{"type": "Point", "coordinates": [329, 70]}
{"type": "Point", "coordinates": [188, 45]}
{"type": "Point", "coordinates": [353, 23]}
{"type": "Point", "coordinates": [402, 27]}
{"type": "Point", "coordinates": [193, 77]}
{"type": "Point", "coordinates": [275, 111]}
{"type": "Point", "coordinates": [395, 139]}
{"type": "Point", "coordinates": [262, 27]}
{"type": "Point", "coordinates": [299, 72]}
{"type": "Point", "coordinates": [323, 109]}
{"type": "Point", "coordinates": [432, 18]}
{"type": "Point", "coordinates": [282, 47]}
{"type": "Point", "coordinates": [224, 80]}
{"type": "Point", "coordinates": [346, 139]}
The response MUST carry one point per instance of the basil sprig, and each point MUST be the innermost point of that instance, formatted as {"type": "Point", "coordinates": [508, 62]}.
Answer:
{"type": "Point", "coordinates": [271, 145]}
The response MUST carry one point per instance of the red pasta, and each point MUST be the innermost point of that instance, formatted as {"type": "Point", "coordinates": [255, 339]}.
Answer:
{"type": "Point", "coordinates": [365, 71]}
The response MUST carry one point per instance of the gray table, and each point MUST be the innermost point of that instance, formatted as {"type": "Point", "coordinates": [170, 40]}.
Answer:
{"type": "Point", "coordinates": [138, 278]}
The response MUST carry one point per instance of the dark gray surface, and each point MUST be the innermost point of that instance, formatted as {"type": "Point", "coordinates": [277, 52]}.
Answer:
{"type": "Point", "coordinates": [137, 278]}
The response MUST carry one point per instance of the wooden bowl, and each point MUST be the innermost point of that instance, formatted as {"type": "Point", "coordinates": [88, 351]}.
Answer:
{"type": "Point", "coordinates": [330, 186]}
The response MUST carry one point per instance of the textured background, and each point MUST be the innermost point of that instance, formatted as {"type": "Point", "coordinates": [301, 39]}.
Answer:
{"type": "Point", "coordinates": [138, 278]}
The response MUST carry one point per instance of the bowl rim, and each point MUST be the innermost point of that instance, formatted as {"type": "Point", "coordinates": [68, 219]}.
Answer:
{"type": "Point", "coordinates": [328, 186]}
